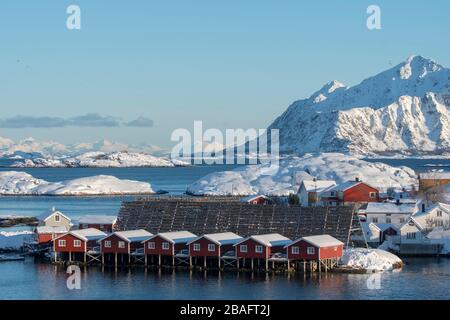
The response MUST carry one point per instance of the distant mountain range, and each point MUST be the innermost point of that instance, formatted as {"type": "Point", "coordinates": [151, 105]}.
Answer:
{"type": "Point", "coordinates": [402, 111]}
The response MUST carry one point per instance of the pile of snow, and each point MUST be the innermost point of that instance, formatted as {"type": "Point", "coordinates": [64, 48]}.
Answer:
{"type": "Point", "coordinates": [404, 110]}
{"type": "Point", "coordinates": [14, 240]}
{"type": "Point", "coordinates": [21, 183]}
{"type": "Point", "coordinates": [370, 259]}
{"type": "Point", "coordinates": [101, 160]}
{"type": "Point", "coordinates": [260, 179]}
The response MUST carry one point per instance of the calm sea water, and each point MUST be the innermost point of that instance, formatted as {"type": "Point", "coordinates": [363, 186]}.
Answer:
{"type": "Point", "coordinates": [420, 279]}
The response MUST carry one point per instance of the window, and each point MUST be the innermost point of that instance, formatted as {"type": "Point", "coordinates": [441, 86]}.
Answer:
{"type": "Point", "coordinates": [258, 249]}
{"type": "Point", "coordinates": [196, 246]}
{"type": "Point", "coordinates": [77, 243]}
{"type": "Point", "coordinates": [107, 244]}
{"type": "Point", "coordinates": [388, 220]}
{"type": "Point", "coordinates": [165, 246]}
{"type": "Point", "coordinates": [411, 235]}
{"type": "Point", "coordinates": [151, 245]}
{"type": "Point", "coordinates": [375, 220]}
{"type": "Point", "coordinates": [295, 250]}
{"type": "Point", "coordinates": [57, 218]}
{"type": "Point", "coordinates": [402, 220]}
{"type": "Point", "coordinates": [373, 195]}
{"type": "Point", "coordinates": [439, 213]}
{"type": "Point", "coordinates": [243, 248]}
{"type": "Point", "coordinates": [62, 243]}
{"type": "Point", "coordinates": [332, 193]}
{"type": "Point", "coordinates": [121, 244]}
{"type": "Point", "coordinates": [439, 223]}
{"type": "Point", "coordinates": [211, 247]}
{"type": "Point", "coordinates": [311, 250]}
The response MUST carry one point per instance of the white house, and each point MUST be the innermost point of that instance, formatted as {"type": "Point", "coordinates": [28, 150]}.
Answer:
{"type": "Point", "coordinates": [394, 213]}
{"type": "Point", "coordinates": [310, 191]}
{"type": "Point", "coordinates": [55, 219]}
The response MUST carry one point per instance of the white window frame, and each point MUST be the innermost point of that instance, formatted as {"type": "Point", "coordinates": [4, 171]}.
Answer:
{"type": "Point", "coordinates": [151, 245]}
{"type": "Point", "coordinates": [388, 220]}
{"type": "Point", "coordinates": [196, 247]}
{"type": "Point", "coordinates": [243, 248]}
{"type": "Point", "coordinates": [57, 218]}
{"type": "Point", "coordinates": [295, 250]}
{"type": "Point", "coordinates": [411, 235]}
{"type": "Point", "coordinates": [77, 243]}
{"type": "Point", "coordinates": [375, 220]}
{"type": "Point", "coordinates": [211, 247]}
{"type": "Point", "coordinates": [165, 246]}
{"type": "Point", "coordinates": [108, 244]}
{"type": "Point", "coordinates": [61, 243]}
{"type": "Point", "coordinates": [121, 244]}
{"type": "Point", "coordinates": [372, 195]}
{"type": "Point", "coordinates": [311, 250]}
{"type": "Point", "coordinates": [259, 249]}
{"type": "Point", "coordinates": [439, 213]}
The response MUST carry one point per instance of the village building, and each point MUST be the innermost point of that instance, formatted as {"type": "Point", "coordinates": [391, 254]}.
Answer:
{"type": "Point", "coordinates": [433, 179]}
{"type": "Point", "coordinates": [46, 234]}
{"type": "Point", "coordinates": [103, 223]}
{"type": "Point", "coordinates": [260, 248]}
{"type": "Point", "coordinates": [350, 192]}
{"type": "Point", "coordinates": [122, 244]}
{"type": "Point", "coordinates": [374, 234]}
{"type": "Point", "coordinates": [55, 219]}
{"type": "Point", "coordinates": [167, 245]}
{"type": "Point", "coordinates": [257, 200]}
{"type": "Point", "coordinates": [390, 213]}
{"type": "Point", "coordinates": [310, 191]}
{"type": "Point", "coordinates": [213, 246]}
{"type": "Point", "coordinates": [78, 243]}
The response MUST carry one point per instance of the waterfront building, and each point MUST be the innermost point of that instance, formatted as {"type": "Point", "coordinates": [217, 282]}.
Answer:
{"type": "Point", "coordinates": [104, 223]}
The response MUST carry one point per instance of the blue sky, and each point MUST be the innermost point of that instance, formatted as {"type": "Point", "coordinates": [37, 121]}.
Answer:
{"type": "Point", "coordinates": [231, 63]}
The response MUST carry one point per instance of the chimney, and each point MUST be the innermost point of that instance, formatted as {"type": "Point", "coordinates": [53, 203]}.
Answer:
{"type": "Point", "coordinates": [423, 207]}
{"type": "Point", "coordinates": [357, 179]}
{"type": "Point", "coordinates": [53, 209]}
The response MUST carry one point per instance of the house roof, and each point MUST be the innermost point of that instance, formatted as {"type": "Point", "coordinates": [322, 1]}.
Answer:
{"type": "Point", "coordinates": [90, 234]}
{"type": "Point", "coordinates": [344, 186]}
{"type": "Point", "coordinates": [250, 198]}
{"type": "Point", "coordinates": [389, 207]}
{"type": "Point", "coordinates": [132, 235]}
{"type": "Point", "coordinates": [420, 217]}
{"type": "Point", "coordinates": [176, 237]}
{"type": "Point", "coordinates": [44, 217]}
{"type": "Point", "coordinates": [49, 229]}
{"type": "Point", "coordinates": [322, 241]}
{"type": "Point", "coordinates": [224, 238]}
{"type": "Point", "coordinates": [97, 220]}
{"type": "Point", "coordinates": [269, 240]}
{"type": "Point", "coordinates": [317, 186]}
{"type": "Point", "coordinates": [383, 226]}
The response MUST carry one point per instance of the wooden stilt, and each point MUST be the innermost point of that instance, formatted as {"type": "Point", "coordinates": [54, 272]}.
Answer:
{"type": "Point", "coordinates": [145, 260]}
{"type": "Point", "coordinates": [173, 261]}
{"type": "Point", "coordinates": [70, 256]}
{"type": "Point", "coordinates": [204, 262]}
{"type": "Point", "coordinates": [267, 265]}
{"type": "Point", "coordinates": [103, 259]}
{"type": "Point", "coordinates": [115, 260]}
{"type": "Point", "coordinates": [289, 266]}
{"type": "Point", "coordinates": [159, 260]}
{"type": "Point", "coordinates": [85, 258]}
{"type": "Point", "coordinates": [190, 262]}
{"type": "Point", "coordinates": [253, 267]}
{"type": "Point", "coordinates": [219, 262]}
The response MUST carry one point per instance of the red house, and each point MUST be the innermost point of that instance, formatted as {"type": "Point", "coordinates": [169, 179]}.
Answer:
{"type": "Point", "coordinates": [77, 241]}
{"type": "Point", "coordinates": [351, 192]}
{"type": "Point", "coordinates": [124, 242]}
{"type": "Point", "coordinates": [168, 243]}
{"type": "Point", "coordinates": [103, 223]}
{"type": "Point", "coordinates": [258, 199]}
{"type": "Point", "coordinates": [261, 247]}
{"type": "Point", "coordinates": [46, 234]}
{"type": "Point", "coordinates": [213, 245]}
{"type": "Point", "coordinates": [315, 248]}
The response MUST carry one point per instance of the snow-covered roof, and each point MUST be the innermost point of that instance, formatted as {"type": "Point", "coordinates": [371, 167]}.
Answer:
{"type": "Point", "coordinates": [269, 240]}
{"type": "Point", "coordinates": [50, 229]}
{"type": "Point", "coordinates": [254, 197]}
{"type": "Point", "coordinates": [318, 186]}
{"type": "Point", "coordinates": [420, 218]}
{"type": "Point", "coordinates": [44, 217]}
{"type": "Point", "coordinates": [90, 234]}
{"type": "Point", "coordinates": [322, 241]}
{"type": "Point", "coordinates": [384, 226]}
{"type": "Point", "coordinates": [435, 175]}
{"type": "Point", "coordinates": [177, 236]}
{"type": "Point", "coordinates": [389, 207]}
{"type": "Point", "coordinates": [97, 220]}
{"type": "Point", "coordinates": [133, 235]}
{"type": "Point", "coordinates": [348, 185]}
{"type": "Point", "coordinates": [224, 238]}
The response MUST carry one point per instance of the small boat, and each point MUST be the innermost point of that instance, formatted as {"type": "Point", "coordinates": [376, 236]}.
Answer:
{"type": "Point", "coordinates": [4, 258]}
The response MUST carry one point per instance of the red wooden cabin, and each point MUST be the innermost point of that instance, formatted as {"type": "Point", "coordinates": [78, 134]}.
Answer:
{"type": "Point", "coordinates": [168, 243]}
{"type": "Point", "coordinates": [261, 246]}
{"type": "Point", "coordinates": [258, 199]}
{"type": "Point", "coordinates": [103, 223]}
{"type": "Point", "coordinates": [351, 192]}
{"type": "Point", "coordinates": [46, 234]}
{"type": "Point", "coordinates": [124, 242]}
{"type": "Point", "coordinates": [315, 248]}
{"type": "Point", "coordinates": [213, 245]}
{"type": "Point", "coordinates": [77, 241]}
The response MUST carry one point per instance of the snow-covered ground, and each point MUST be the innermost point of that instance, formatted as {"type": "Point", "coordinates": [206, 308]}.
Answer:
{"type": "Point", "coordinates": [21, 183]}
{"type": "Point", "coordinates": [101, 160]}
{"type": "Point", "coordinates": [370, 259]}
{"type": "Point", "coordinates": [260, 179]}
{"type": "Point", "coordinates": [14, 240]}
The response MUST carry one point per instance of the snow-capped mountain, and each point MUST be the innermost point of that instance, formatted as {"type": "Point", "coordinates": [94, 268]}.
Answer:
{"type": "Point", "coordinates": [404, 110]}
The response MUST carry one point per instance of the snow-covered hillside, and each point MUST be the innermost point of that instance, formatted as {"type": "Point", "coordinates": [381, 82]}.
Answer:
{"type": "Point", "coordinates": [101, 160]}
{"type": "Point", "coordinates": [21, 183]}
{"type": "Point", "coordinates": [261, 179]}
{"type": "Point", "coordinates": [405, 110]}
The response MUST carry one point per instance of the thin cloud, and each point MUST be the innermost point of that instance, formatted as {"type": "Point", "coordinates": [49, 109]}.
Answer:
{"type": "Point", "coordinates": [140, 122]}
{"type": "Point", "coordinates": [88, 120]}
{"type": "Point", "coordinates": [93, 120]}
